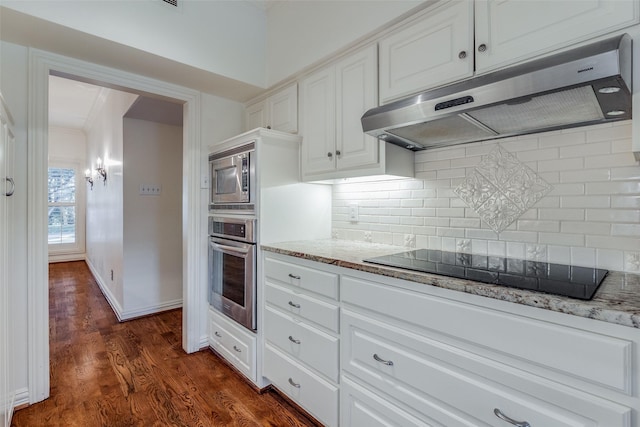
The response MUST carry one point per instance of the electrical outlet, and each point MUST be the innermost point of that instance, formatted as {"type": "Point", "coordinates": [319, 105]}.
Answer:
{"type": "Point", "coordinates": [204, 180]}
{"type": "Point", "coordinates": [150, 189]}
{"type": "Point", "coordinates": [353, 212]}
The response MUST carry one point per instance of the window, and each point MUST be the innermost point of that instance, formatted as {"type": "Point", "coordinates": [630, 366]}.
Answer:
{"type": "Point", "coordinates": [62, 206]}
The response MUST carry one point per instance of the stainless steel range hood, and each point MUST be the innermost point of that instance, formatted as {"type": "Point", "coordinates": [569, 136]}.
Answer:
{"type": "Point", "coordinates": [587, 85]}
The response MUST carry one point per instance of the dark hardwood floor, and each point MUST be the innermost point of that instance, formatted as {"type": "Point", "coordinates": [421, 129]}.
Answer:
{"type": "Point", "coordinates": [135, 373]}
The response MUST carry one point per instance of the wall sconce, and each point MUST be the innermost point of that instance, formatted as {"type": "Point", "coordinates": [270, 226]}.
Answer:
{"type": "Point", "coordinates": [89, 178]}
{"type": "Point", "coordinates": [101, 170]}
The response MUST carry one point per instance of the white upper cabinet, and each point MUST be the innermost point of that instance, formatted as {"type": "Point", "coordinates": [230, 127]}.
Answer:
{"type": "Point", "coordinates": [279, 111]}
{"type": "Point", "coordinates": [438, 47]}
{"type": "Point", "coordinates": [332, 101]}
{"type": "Point", "coordinates": [508, 31]}
{"type": "Point", "coordinates": [431, 51]}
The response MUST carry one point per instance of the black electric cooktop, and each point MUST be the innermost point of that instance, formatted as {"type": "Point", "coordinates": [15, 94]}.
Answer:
{"type": "Point", "coordinates": [566, 280]}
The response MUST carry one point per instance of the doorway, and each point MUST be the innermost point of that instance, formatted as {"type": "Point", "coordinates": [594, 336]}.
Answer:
{"type": "Point", "coordinates": [42, 65]}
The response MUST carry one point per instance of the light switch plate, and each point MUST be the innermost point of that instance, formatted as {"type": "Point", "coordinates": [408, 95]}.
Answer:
{"type": "Point", "coordinates": [353, 212]}
{"type": "Point", "coordinates": [204, 180]}
{"type": "Point", "coordinates": [150, 189]}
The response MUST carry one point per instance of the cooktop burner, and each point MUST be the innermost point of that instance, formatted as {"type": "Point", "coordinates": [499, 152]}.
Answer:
{"type": "Point", "coordinates": [558, 279]}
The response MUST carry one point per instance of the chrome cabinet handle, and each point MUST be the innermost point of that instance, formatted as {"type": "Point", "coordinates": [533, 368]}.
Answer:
{"type": "Point", "coordinates": [296, 385]}
{"type": "Point", "coordinates": [293, 340]}
{"type": "Point", "coordinates": [338, 152]}
{"type": "Point", "coordinates": [216, 333]}
{"type": "Point", "coordinates": [13, 187]}
{"type": "Point", "coordinates": [329, 154]}
{"type": "Point", "coordinates": [293, 276]}
{"type": "Point", "coordinates": [294, 305]}
{"type": "Point", "coordinates": [237, 349]}
{"type": "Point", "coordinates": [378, 359]}
{"type": "Point", "coordinates": [503, 417]}
{"type": "Point", "coordinates": [462, 54]}
{"type": "Point", "coordinates": [482, 47]}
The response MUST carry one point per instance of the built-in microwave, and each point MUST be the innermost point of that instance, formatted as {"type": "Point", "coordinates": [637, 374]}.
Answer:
{"type": "Point", "coordinates": [232, 179]}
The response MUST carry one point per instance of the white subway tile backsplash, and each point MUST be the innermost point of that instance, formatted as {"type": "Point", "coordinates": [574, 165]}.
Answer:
{"type": "Point", "coordinates": [614, 215]}
{"type": "Point", "coordinates": [549, 226]}
{"type": "Point", "coordinates": [610, 160]}
{"type": "Point", "coordinates": [592, 215]}
{"type": "Point", "coordinates": [617, 187]}
{"type": "Point", "coordinates": [610, 259]}
{"type": "Point", "coordinates": [629, 230]}
{"type": "Point", "coordinates": [585, 201]}
{"type": "Point", "coordinates": [559, 254]}
{"type": "Point", "coordinates": [590, 175]}
{"type": "Point", "coordinates": [565, 239]}
{"type": "Point", "coordinates": [586, 227]}
{"type": "Point", "coordinates": [516, 250]}
{"type": "Point", "coordinates": [562, 214]}
{"type": "Point", "coordinates": [561, 165]}
{"type": "Point", "coordinates": [593, 149]}
{"type": "Point", "coordinates": [585, 257]}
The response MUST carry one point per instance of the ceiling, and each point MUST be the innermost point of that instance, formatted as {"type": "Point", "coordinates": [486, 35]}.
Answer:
{"type": "Point", "coordinates": [72, 103]}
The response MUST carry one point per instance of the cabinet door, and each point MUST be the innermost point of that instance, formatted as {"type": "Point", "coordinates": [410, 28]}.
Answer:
{"type": "Point", "coordinates": [256, 116]}
{"type": "Point", "coordinates": [356, 78]}
{"type": "Point", "coordinates": [508, 31]}
{"type": "Point", "coordinates": [435, 50]}
{"type": "Point", "coordinates": [318, 101]}
{"type": "Point", "coordinates": [283, 110]}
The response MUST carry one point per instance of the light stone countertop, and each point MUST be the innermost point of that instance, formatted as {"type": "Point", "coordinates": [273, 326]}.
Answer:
{"type": "Point", "coordinates": [616, 301]}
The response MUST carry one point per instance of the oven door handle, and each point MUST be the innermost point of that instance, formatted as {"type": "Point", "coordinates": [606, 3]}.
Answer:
{"type": "Point", "coordinates": [243, 251]}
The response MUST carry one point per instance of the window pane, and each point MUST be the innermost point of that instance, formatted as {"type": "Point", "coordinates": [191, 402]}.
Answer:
{"type": "Point", "coordinates": [62, 225]}
{"type": "Point", "coordinates": [62, 185]}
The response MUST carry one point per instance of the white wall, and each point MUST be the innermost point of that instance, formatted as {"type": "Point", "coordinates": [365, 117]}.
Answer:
{"type": "Point", "coordinates": [105, 202]}
{"type": "Point", "coordinates": [300, 33]}
{"type": "Point", "coordinates": [152, 270]}
{"type": "Point", "coordinates": [13, 84]}
{"type": "Point", "coordinates": [591, 216]}
{"type": "Point", "coordinates": [223, 37]}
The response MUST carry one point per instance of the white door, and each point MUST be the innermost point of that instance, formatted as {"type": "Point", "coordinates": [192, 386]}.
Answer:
{"type": "Point", "coordinates": [318, 106]}
{"type": "Point", "coordinates": [508, 31]}
{"type": "Point", "coordinates": [434, 50]}
{"type": "Point", "coordinates": [356, 92]}
{"type": "Point", "coordinates": [282, 110]}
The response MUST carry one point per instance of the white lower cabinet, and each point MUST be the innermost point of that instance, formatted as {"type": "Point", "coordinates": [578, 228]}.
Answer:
{"type": "Point", "coordinates": [301, 335]}
{"type": "Point", "coordinates": [233, 342]}
{"type": "Point", "coordinates": [412, 355]}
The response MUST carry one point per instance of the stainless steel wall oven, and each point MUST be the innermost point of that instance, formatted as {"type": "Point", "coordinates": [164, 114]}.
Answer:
{"type": "Point", "coordinates": [232, 268]}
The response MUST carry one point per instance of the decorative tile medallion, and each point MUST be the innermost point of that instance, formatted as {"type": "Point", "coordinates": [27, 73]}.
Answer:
{"type": "Point", "coordinates": [501, 188]}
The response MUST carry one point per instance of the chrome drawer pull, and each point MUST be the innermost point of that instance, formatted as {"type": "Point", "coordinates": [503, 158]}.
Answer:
{"type": "Point", "coordinates": [294, 305]}
{"type": "Point", "coordinates": [503, 417]}
{"type": "Point", "coordinates": [237, 349]}
{"type": "Point", "coordinates": [216, 333]}
{"type": "Point", "coordinates": [293, 276]}
{"type": "Point", "coordinates": [296, 385]}
{"type": "Point", "coordinates": [386, 362]}
{"type": "Point", "coordinates": [293, 340]}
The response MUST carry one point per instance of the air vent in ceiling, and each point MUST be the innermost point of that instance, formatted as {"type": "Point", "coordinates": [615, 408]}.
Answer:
{"type": "Point", "coordinates": [173, 3]}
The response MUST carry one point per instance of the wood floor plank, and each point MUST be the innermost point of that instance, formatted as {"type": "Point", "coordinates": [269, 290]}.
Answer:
{"type": "Point", "coordinates": [135, 373]}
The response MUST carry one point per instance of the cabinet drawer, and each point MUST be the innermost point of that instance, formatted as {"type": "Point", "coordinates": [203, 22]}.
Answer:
{"type": "Point", "coordinates": [314, 394]}
{"type": "Point", "coordinates": [237, 346]}
{"type": "Point", "coordinates": [459, 388]}
{"type": "Point", "coordinates": [305, 343]}
{"type": "Point", "coordinates": [360, 407]}
{"type": "Point", "coordinates": [307, 307]}
{"type": "Point", "coordinates": [310, 279]}
{"type": "Point", "coordinates": [588, 356]}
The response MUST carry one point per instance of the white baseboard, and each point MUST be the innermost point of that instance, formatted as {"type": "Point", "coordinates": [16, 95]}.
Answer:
{"type": "Point", "coordinates": [111, 299]}
{"type": "Point", "coordinates": [152, 309]}
{"type": "Point", "coordinates": [22, 397]}
{"type": "Point", "coordinates": [53, 258]}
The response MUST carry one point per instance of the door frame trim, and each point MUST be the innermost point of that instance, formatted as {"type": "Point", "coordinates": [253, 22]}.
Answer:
{"type": "Point", "coordinates": [41, 65]}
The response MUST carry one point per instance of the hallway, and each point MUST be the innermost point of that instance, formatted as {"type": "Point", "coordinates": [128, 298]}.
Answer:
{"type": "Point", "coordinates": [105, 373]}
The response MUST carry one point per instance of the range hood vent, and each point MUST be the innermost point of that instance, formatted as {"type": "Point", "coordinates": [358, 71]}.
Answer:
{"type": "Point", "coordinates": [587, 85]}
